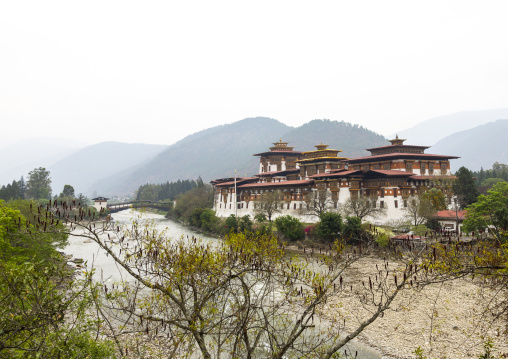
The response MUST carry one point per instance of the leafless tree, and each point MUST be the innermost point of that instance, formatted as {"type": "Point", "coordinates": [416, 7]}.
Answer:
{"type": "Point", "coordinates": [269, 204]}
{"type": "Point", "coordinates": [418, 209]}
{"type": "Point", "coordinates": [363, 206]}
{"type": "Point", "coordinates": [316, 203]}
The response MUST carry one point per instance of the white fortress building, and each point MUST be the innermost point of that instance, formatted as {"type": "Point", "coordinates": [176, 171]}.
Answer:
{"type": "Point", "coordinates": [389, 176]}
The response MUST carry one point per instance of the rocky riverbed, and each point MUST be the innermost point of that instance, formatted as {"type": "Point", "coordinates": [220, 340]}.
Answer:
{"type": "Point", "coordinates": [446, 320]}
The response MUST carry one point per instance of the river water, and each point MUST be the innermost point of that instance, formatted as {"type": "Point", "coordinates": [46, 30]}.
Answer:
{"type": "Point", "coordinates": [108, 271]}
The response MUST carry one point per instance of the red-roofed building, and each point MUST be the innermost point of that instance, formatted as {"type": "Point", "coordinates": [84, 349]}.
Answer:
{"type": "Point", "coordinates": [389, 177]}
{"type": "Point", "coordinates": [449, 219]}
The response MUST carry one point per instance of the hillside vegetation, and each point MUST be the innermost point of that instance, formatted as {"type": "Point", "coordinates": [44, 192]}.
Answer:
{"type": "Point", "coordinates": [219, 151]}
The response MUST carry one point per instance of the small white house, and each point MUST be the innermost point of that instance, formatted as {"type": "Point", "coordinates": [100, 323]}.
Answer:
{"type": "Point", "coordinates": [449, 220]}
{"type": "Point", "coordinates": [100, 202]}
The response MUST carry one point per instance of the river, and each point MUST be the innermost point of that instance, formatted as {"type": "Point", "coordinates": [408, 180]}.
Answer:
{"type": "Point", "coordinates": [107, 270]}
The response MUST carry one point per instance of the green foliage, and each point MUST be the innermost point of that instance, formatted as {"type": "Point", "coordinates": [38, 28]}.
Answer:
{"type": "Point", "coordinates": [465, 187]}
{"type": "Point", "coordinates": [330, 226]}
{"type": "Point", "coordinates": [436, 198]}
{"type": "Point", "coordinates": [231, 224]}
{"type": "Point", "coordinates": [418, 352]}
{"type": "Point", "coordinates": [186, 203]}
{"type": "Point", "coordinates": [21, 238]}
{"type": "Point", "coordinates": [245, 224]}
{"type": "Point", "coordinates": [195, 217]}
{"type": "Point", "coordinates": [165, 191]}
{"type": "Point", "coordinates": [498, 171]}
{"type": "Point", "coordinates": [488, 183]}
{"type": "Point", "coordinates": [68, 191]}
{"type": "Point", "coordinates": [38, 185]}
{"type": "Point", "coordinates": [353, 228]}
{"type": "Point", "coordinates": [420, 230]}
{"type": "Point", "coordinates": [209, 220]}
{"type": "Point", "coordinates": [491, 211]}
{"type": "Point", "coordinates": [13, 191]}
{"type": "Point", "coordinates": [260, 217]}
{"type": "Point", "coordinates": [488, 347]}
{"type": "Point", "coordinates": [44, 314]}
{"type": "Point", "coordinates": [382, 239]}
{"type": "Point", "coordinates": [290, 227]}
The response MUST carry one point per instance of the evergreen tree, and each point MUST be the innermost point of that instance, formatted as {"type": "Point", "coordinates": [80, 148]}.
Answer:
{"type": "Point", "coordinates": [465, 187]}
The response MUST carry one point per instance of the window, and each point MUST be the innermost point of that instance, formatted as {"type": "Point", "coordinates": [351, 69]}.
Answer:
{"type": "Point", "coordinates": [422, 168]}
{"type": "Point", "coordinates": [300, 206]}
{"type": "Point", "coordinates": [382, 204]}
{"type": "Point", "coordinates": [382, 193]}
{"type": "Point", "coordinates": [409, 167]}
{"type": "Point", "coordinates": [405, 203]}
{"type": "Point", "coordinates": [396, 204]}
{"type": "Point", "coordinates": [431, 168]}
{"type": "Point", "coordinates": [294, 206]}
{"type": "Point", "coordinates": [395, 192]}
{"type": "Point", "coordinates": [366, 167]}
{"type": "Point", "coordinates": [386, 166]}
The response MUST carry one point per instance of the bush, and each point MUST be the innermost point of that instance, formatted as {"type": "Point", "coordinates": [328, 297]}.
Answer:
{"type": "Point", "coordinates": [195, 217]}
{"type": "Point", "coordinates": [209, 220]}
{"type": "Point", "coordinates": [330, 226]}
{"type": "Point", "coordinates": [245, 224]}
{"type": "Point", "coordinates": [231, 224]}
{"type": "Point", "coordinates": [290, 227]}
{"type": "Point", "coordinates": [353, 228]}
{"type": "Point", "coordinates": [382, 239]}
{"type": "Point", "coordinates": [260, 217]}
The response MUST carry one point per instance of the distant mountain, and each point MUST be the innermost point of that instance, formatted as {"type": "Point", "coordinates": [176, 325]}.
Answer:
{"type": "Point", "coordinates": [478, 147]}
{"type": "Point", "coordinates": [101, 160]}
{"type": "Point", "coordinates": [211, 153]}
{"type": "Point", "coordinates": [20, 158]}
{"type": "Point", "coordinates": [219, 151]}
{"type": "Point", "coordinates": [432, 130]}
{"type": "Point", "coordinates": [351, 139]}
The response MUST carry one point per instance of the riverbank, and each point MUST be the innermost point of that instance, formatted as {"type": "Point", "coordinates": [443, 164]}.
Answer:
{"type": "Point", "coordinates": [447, 320]}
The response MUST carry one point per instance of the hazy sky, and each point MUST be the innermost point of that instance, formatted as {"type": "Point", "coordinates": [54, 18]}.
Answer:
{"type": "Point", "coordinates": [156, 71]}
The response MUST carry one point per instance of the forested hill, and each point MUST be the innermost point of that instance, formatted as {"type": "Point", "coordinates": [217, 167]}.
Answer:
{"type": "Point", "coordinates": [219, 151]}
{"type": "Point", "coordinates": [351, 139]}
{"type": "Point", "coordinates": [211, 153]}
{"type": "Point", "coordinates": [478, 147]}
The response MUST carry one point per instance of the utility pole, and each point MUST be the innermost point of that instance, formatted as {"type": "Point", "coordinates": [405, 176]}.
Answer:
{"type": "Point", "coordinates": [236, 200]}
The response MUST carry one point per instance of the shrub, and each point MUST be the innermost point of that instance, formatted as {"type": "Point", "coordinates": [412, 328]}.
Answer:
{"type": "Point", "coordinates": [209, 220]}
{"type": "Point", "coordinates": [330, 225]}
{"type": "Point", "coordinates": [290, 227]}
{"type": "Point", "coordinates": [231, 224]}
{"type": "Point", "coordinates": [353, 228]}
{"type": "Point", "coordinates": [245, 224]}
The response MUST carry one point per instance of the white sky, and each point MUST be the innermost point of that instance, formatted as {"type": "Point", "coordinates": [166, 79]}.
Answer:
{"type": "Point", "coordinates": [156, 71]}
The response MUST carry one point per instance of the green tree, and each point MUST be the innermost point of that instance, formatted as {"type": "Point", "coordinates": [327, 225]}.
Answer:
{"type": "Point", "coordinates": [39, 184]}
{"type": "Point", "coordinates": [290, 227]}
{"type": "Point", "coordinates": [231, 224]}
{"type": "Point", "coordinates": [436, 198]}
{"type": "Point", "coordinates": [490, 182]}
{"type": "Point", "coordinates": [68, 191]}
{"type": "Point", "coordinates": [330, 226]}
{"type": "Point", "coordinates": [245, 224]}
{"type": "Point", "coordinates": [353, 228]}
{"type": "Point", "coordinates": [209, 220]}
{"type": "Point", "coordinates": [490, 212]}
{"type": "Point", "coordinates": [465, 187]}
